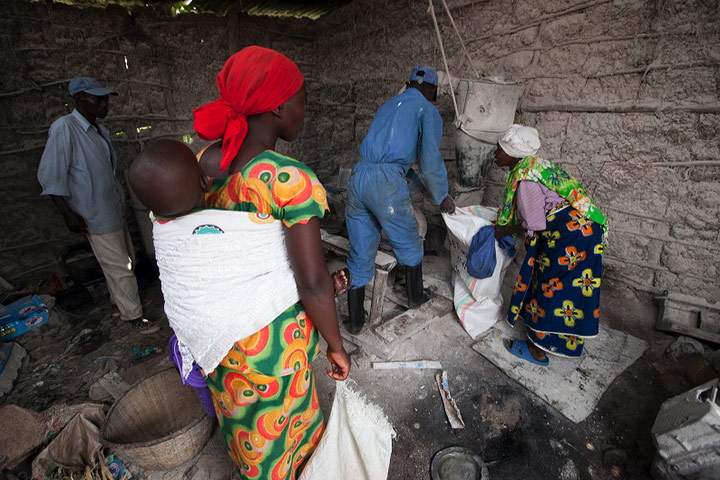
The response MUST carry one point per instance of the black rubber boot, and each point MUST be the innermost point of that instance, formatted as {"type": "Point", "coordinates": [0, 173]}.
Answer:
{"type": "Point", "coordinates": [356, 309]}
{"type": "Point", "coordinates": [414, 286]}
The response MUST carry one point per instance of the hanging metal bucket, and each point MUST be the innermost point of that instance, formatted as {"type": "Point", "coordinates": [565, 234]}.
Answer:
{"type": "Point", "coordinates": [487, 109]}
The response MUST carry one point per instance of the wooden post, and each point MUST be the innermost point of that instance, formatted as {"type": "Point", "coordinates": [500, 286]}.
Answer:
{"type": "Point", "coordinates": [378, 296]}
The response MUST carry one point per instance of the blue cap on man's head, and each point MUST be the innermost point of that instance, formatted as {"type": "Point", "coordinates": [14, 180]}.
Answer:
{"type": "Point", "coordinates": [88, 85]}
{"type": "Point", "coordinates": [423, 74]}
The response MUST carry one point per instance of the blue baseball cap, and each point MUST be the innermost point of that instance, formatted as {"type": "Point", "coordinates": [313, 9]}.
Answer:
{"type": "Point", "coordinates": [422, 74]}
{"type": "Point", "coordinates": [88, 85]}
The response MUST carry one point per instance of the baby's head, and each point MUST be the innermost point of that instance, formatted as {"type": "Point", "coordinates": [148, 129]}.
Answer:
{"type": "Point", "coordinates": [167, 179]}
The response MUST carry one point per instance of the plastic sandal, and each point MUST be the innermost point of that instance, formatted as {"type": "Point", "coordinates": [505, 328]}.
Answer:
{"type": "Point", "coordinates": [520, 349]}
{"type": "Point", "coordinates": [144, 326]}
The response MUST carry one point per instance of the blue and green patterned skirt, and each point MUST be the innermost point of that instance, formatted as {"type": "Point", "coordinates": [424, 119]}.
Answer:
{"type": "Point", "coordinates": [557, 292]}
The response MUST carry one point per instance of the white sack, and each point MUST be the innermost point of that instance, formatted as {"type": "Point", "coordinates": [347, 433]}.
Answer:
{"type": "Point", "coordinates": [357, 441]}
{"type": "Point", "coordinates": [478, 303]}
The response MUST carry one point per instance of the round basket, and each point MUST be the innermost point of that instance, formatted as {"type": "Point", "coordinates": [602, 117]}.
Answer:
{"type": "Point", "coordinates": [158, 424]}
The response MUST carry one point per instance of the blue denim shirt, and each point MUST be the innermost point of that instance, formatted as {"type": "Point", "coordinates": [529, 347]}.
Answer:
{"type": "Point", "coordinates": [408, 128]}
{"type": "Point", "coordinates": [79, 164]}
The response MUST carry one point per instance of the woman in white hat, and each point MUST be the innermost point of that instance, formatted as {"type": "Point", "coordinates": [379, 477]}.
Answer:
{"type": "Point", "coordinates": [557, 291]}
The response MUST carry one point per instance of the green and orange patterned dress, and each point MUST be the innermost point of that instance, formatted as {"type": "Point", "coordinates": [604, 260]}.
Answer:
{"type": "Point", "coordinates": [264, 389]}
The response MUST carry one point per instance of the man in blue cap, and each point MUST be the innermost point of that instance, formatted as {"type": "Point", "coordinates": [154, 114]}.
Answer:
{"type": "Point", "coordinates": [406, 129]}
{"type": "Point", "coordinates": [78, 171]}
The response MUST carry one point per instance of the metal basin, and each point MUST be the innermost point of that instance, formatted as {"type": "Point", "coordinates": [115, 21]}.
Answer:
{"type": "Point", "coordinates": [458, 463]}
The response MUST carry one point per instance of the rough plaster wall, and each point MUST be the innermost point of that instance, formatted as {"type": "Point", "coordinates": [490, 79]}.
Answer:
{"type": "Point", "coordinates": [171, 68]}
{"type": "Point", "coordinates": [620, 90]}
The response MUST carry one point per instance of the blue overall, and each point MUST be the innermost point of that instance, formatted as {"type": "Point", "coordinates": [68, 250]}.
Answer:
{"type": "Point", "coordinates": [405, 129]}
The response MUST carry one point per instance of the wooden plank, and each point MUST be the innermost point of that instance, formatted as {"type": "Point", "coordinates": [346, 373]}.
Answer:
{"type": "Point", "coordinates": [690, 300]}
{"type": "Point", "coordinates": [410, 322]}
{"type": "Point", "coordinates": [688, 315]}
{"type": "Point", "coordinates": [397, 300]}
{"type": "Point", "coordinates": [697, 323]}
{"type": "Point", "coordinates": [341, 246]}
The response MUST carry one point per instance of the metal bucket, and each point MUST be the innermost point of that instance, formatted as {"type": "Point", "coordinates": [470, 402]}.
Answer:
{"type": "Point", "coordinates": [487, 109]}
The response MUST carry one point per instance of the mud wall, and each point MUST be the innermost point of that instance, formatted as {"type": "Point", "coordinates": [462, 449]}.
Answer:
{"type": "Point", "coordinates": [623, 92]}
{"type": "Point", "coordinates": [162, 66]}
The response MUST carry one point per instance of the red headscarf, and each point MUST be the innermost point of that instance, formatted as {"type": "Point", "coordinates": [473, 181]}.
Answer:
{"type": "Point", "coordinates": [252, 81]}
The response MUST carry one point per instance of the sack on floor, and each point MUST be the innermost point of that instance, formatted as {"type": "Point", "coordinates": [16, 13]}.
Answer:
{"type": "Point", "coordinates": [478, 303]}
{"type": "Point", "coordinates": [357, 441]}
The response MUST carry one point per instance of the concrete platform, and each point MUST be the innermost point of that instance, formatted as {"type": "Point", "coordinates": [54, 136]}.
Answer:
{"type": "Point", "coordinates": [572, 386]}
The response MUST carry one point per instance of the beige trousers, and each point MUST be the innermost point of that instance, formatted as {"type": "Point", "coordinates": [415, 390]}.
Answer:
{"type": "Point", "coordinates": [116, 256]}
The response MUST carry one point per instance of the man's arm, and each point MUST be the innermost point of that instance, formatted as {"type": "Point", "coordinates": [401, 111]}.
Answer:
{"type": "Point", "coordinates": [415, 183]}
{"type": "Point", "coordinates": [74, 221]}
{"type": "Point", "coordinates": [432, 163]}
{"type": "Point", "coordinates": [52, 174]}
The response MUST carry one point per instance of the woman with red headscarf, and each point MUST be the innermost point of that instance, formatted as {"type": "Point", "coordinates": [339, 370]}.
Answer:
{"type": "Point", "coordinates": [264, 388]}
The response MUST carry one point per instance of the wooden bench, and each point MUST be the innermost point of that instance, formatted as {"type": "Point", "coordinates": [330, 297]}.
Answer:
{"type": "Point", "coordinates": [384, 263]}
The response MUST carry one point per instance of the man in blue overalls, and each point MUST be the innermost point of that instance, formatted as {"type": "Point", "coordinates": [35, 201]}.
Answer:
{"type": "Point", "coordinates": [407, 128]}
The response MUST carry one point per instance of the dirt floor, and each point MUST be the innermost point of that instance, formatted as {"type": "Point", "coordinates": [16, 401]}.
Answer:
{"type": "Point", "coordinates": [515, 433]}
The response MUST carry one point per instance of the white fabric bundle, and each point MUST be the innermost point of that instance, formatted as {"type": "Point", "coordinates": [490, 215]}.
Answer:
{"type": "Point", "coordinates": [225, 275]}
{"type": "Point", "coordinates": [357, 442]}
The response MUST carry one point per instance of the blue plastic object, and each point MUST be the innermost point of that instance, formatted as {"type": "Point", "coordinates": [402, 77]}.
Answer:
{"type": "Point", "coordinates": [195, 379]}
{"type": "Point", "coordinates": [481, 254]}
{"type": "Point", "coordinates": [117, 468]}
{"type": "Point", "coordinates": [21, 316]}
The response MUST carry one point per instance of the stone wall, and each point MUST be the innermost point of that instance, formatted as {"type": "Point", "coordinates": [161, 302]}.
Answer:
{"type": "Point", "coordinates": [623, 92]}
{"type": "Point", "coordinates": [162, 66]}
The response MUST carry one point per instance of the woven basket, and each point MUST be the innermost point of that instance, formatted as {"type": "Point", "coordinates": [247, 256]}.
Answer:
{"type": "Point", "coordinates": [158, 424]}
